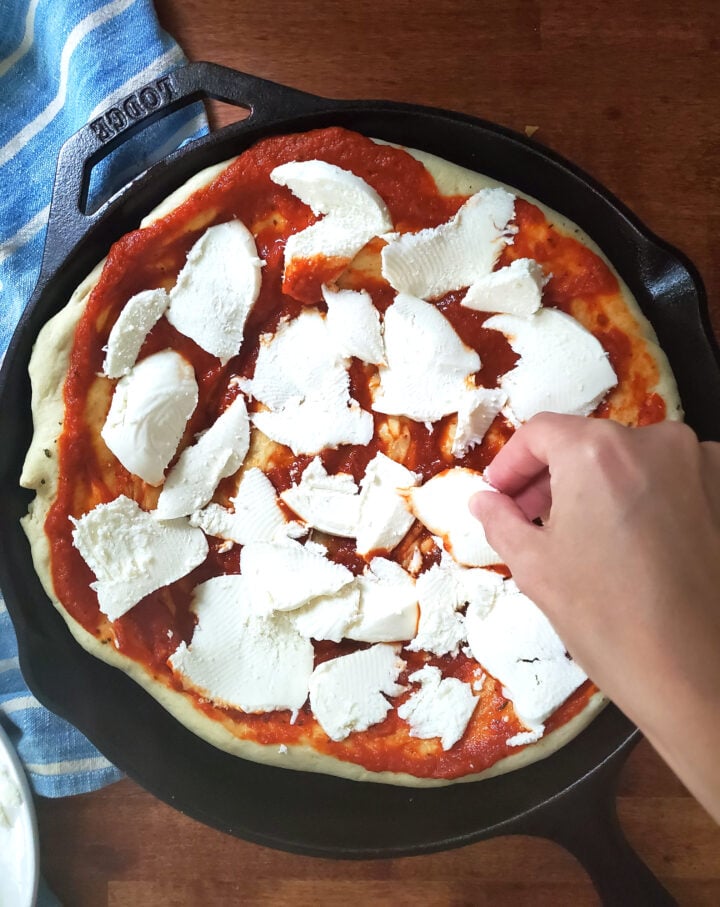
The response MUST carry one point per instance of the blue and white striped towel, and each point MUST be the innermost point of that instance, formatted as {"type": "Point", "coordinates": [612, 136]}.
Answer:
{"type": "Point", "coordinates": [61, 63]}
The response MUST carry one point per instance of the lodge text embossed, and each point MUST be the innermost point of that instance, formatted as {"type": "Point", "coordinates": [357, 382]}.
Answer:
{"type": "Point", "coordinates": [135, 106]}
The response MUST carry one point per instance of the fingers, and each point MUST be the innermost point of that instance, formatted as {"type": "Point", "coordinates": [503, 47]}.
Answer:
{"type": "Point", "coordinates": [507, 528]}
{"type": "Point", "coordinates": [535, 499]}
{"type": "Point", "coordinates": [710, 457]}
{"type": "Point", "coordinates": [528, 453]}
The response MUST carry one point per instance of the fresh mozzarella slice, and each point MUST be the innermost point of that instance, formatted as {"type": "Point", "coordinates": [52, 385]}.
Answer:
{"type": "Point", "coordinates": [351, 211]}
{"type": "Point", "coordinates": [476, 586]}
{"type": "Point", "coordinates": [384, 516]}
{"type": "Point", "coordinates": [286, 370]}
{"type": "Point", "coordinates": [354, 324]}
{"type": "Point", "coordinates": [516, 643]}
{"type": "Point", "coordinates": [132, 554]}
{"type": "Point", "coordinates": [284, 576]}
{"type": "Point", "coordinates": [442, 707]}
{"type": "Point", "coordinates": [329, 616]}
{"type": "Point", "coordinates": [239, 659]}
{"type": "Point", "coordinates": [217, 453]}
{"type": "Point", "coordinates": [328, 503]}
{"type": "Point", "coordinates": [441, 504]}
{"type": "Point", "coordinates": [313, 425]}
{"type": "Point", "coordinates": [562, 367]}
{"type": "Point", "coordinates": [148, 414]}
{"type": "Point", "coordinates": [302, 379]}
{"type": "Point", "coordinates": [256, 516]}
{"type": "Point", "coordinates": [216, 289]}
{"type": "Point", "coordinates": [428, 366]}
{"type": "Point", "coordinates": [477, 410]}
{"type": "Point", "coordinates": [346, 693]}
{"type": "Point", "coordinates": [515, 289]}
{"type": "Point", "coordinates": [442, 591]}
{"type": "Point", "coordinates": [388, 604]}
{"type": "Point", "coordinates": [137, 318]}
{"type": "Point", "coordinates": [441, 629]}
{"type": "Point", "coordinates": [433, 262]}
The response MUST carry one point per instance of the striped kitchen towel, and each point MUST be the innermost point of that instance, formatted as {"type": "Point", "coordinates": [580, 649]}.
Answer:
{"type": "Point", "coordinates": [62, 62]}
{"type": "Point", "coordinates": [58, 759]}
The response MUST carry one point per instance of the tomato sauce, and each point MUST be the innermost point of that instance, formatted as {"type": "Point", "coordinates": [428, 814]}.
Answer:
{"type": "Point", "coordinates": [152, 257]}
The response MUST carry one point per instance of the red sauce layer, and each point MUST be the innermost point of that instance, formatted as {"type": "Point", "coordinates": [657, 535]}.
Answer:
{"type": "Point", "coordinates": [152, 257]}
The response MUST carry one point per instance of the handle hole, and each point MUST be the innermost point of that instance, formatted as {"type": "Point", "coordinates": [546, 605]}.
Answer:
{"type": "Point", "coordinates": [140, 151]}
{"type": "Point", "coordinates": [222, 114]}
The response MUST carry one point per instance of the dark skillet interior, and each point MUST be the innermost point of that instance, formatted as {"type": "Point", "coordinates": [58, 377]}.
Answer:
{"type": "Point", "coordinates": [317, 814]}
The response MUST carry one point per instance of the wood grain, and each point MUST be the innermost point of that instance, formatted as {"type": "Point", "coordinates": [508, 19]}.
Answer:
{"type": "Point", "coordinates": [630, 93]}
{"type": "Point", "coordinates": [122, 847]}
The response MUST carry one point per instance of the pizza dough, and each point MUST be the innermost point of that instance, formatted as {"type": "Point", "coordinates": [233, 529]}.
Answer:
{"type": "Point", "coordinates": [336, 564]}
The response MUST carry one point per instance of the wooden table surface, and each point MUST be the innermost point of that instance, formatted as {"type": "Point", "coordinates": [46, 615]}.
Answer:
{"type": "Point", "coordinates": [629, 91]}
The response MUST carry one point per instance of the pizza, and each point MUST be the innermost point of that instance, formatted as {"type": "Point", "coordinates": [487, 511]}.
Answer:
{"type": "Point", "coordinates": [257, 426]}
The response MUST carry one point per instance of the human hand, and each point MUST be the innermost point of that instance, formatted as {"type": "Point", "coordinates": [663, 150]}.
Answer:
{"type": "Point", "coordinates": [626, 566]}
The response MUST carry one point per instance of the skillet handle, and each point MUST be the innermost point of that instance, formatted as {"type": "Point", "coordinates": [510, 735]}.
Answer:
{"type": "Point", "coordinates": [681, 319]}
{"type": "Point", "coordinates": [69, 219]}
{"type": "Point", "coordinates": [583, 819]}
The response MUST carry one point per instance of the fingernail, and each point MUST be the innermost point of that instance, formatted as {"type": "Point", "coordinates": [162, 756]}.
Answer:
{"type": "Point", "coordinates": [487, 478]}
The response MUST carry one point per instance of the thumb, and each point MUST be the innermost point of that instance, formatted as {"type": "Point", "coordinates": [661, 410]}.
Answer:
{"type": "Point", "coordinates": [506, 527]}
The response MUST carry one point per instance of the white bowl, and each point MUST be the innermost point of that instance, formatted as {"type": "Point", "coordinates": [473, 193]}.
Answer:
{"type": "Point", "coordinates": [19, 842]}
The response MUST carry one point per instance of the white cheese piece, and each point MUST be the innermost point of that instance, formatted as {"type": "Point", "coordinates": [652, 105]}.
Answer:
{"type": "Point", "coordinates": [442, 707]}
{"type": "Point", "coordinates": [510, 416]}
{"type": "Point", "coordinates": [218, 522]}
{"type": "Point", "coordinates": [287, 575]}
{"type": "Point", "coordinates": [217, 453]}
{"type": "Point", "coordinates": [477, 410]}
{"type": "Point", "coordinates": [441, 504]}
{"type": "Point", "coordinates": [516, 643]}
{"type": "Point", "coordinates": [435, 261]}
{"type": "Point", "coordinates": [346, 693]}
{"type": "Point", "coordinates": [354, 324]}
{"type": "Point", "coordinates": [524, 737]}
{"type": "Point", "coordinates": [476, 586]}
{"type": "Point", "coordinates": [442, 591]}
{"type": "Point", "coordinates": [239, 659]}
{"type": "Point", "coordinates": [329, 616]}
{"type": "Point", "coordinates": [353, 211]}
{"type": "Point", "coordinates": [562, 367]}
{"type": "Point", "coordinates": [515, 289]}
{"type": "Point", "coordinates": [428, 365]}
{"type": "Point", "coordinates": [328, 503]}
{"type": "Point", "coordinates": [302, 379]}
{"type": "Point", "coordinates": [148, 414]}
{"type": "Point", "coordinates": [314, 424]}
{"type": "Point", "coordinates": [137, 318]}
{"type": "Point", "coordinates": [384, 516]}
{"type": "Point", "coordinates": [416, 562]}
{"type": "Point", "coordinates": [285, 371]}
{"type": "Point", "coordinates": [256, 516]}
{"type": "Point", "coordinates": [388, 604]}
{"type": "Point", "coordinates": [132, 554]}
{"type": "Point", "coordinates": [315, 548]}
{"type": "Point", "coordinates": [216, 289]}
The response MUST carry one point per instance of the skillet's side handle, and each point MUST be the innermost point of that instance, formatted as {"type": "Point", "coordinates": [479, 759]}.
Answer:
{"type": "Point", "coordinates": [69, 219]}
{"type": "Point", "coordinates": [583, 819]}
{"type": "Point", "coordinates": [681, 318]}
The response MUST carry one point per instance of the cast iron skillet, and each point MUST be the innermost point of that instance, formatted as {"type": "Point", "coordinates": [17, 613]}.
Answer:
{"type": "Point", "coordinates": [568, 797]}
